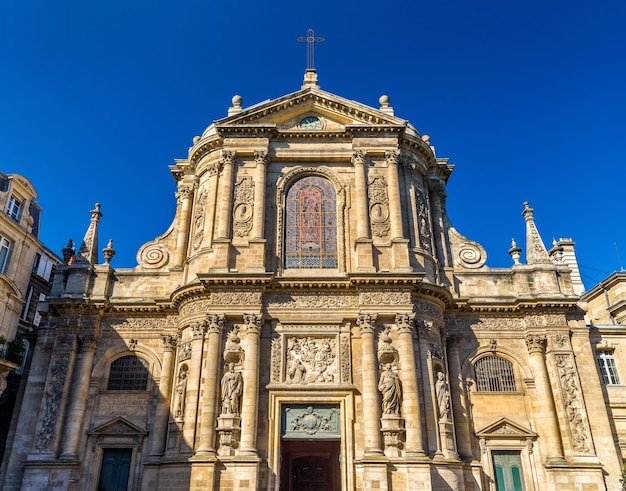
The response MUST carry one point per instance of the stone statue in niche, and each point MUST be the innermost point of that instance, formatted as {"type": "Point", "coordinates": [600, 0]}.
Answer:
{"type": "Point", "coordinates": [181, 391]}
{"type": "Point", "coordinates": [232, 388]}
{"type": "Point", "coordinates": [391, 390]}
{"type": "Point", "coordinates": [443, 396]}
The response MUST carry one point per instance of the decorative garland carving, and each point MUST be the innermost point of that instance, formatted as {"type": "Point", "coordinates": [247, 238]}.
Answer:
{"type": "Point", "coordinates": [54, 393]}
{"type": "Point", "coordinates": [321, 300]}
{"type": "Point", "coordinates": [119, 324]}
{"type": "Point", "coordinates": [235, 298]}
{"type": "Point", "coordinates": [198, 219]}
{"type": "Point", "coordinates": [385, 298]}
{"type": "Point", "coordinates": [573, 404]}
{"type": "Point", "coordinates": [344, 340]}
{"type": "Point", "coordinates": [276, 352]}
{"type": "Point", "coordinates": [311, 360]}
{"type": "Point", "coordinates": [379, 206]}
{"type": "Point", "coordinates": [243, 208]}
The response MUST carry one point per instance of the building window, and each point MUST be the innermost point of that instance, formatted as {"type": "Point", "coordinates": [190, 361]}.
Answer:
{"type": "Point", "coordinates": [13, 208]}
{"type": "Point", "coordinates": [508, 470]}
{"type": "Point", "coordinates": [494, 374]}
{"type": "Point", "coordinates": [311, 224]}
{"type": "Point", "coordinates": [608, 368]}
{"type": "Point", "coordinates": [36, 263]}
{"type": "Point", "coordinates": [5, 249]}
{"type": "Point", "coordinates": [128, 373]}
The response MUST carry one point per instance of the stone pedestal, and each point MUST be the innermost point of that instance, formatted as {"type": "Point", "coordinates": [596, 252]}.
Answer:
{"type": "Point", "coordinates": [229, 430]}
{"type": "Point", "coordinates": [392, 428]}
{"type": "Point", "coordinates": [448, 446]}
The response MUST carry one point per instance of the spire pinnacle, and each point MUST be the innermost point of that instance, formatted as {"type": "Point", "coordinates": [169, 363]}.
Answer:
{"type": "Point", "coordinates": [88, 252]}
{"type": "Point", "coordinates": [536, 251]}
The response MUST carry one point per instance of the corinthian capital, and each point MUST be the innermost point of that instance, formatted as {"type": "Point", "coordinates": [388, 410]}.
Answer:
{"type": "Point", "coordinates": [405, 323]}
{"type": "Point", "coordinates": [535, 343]}
{"type": "Point", "coordinates": [253, 322]}
{"type": "Point", "coordinates": [214, 323]}
{"type": "Point", "coordinates": [358, 157]}
{"type": "Point", "coordinates": [228, 156]}
{"type": "Point", "coordinates": [392, 156]}
{"type": "Point", "coordinates": [169, 342]}
{"type": "Point", "coordinates": [87, 343]}
{"type": "Point", "coordinates": [366, 322]}
{"type": "Point", "coordinates": [184, 192]}
{"type": "Point", "coordinates": [260, 156]}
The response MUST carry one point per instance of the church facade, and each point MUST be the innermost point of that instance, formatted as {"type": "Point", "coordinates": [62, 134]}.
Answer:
{"type": "Point", "coordinates": [312, 320]}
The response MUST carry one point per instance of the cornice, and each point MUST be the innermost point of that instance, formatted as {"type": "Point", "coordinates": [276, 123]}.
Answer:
{"type": "Point", "coordinates": [517, 305]}
{"type": "Point", "coordinates": [202, 148]}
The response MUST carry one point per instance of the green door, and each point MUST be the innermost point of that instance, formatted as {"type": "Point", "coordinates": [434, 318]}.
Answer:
{"type": "Point", "coordinates": [115, 469]}
{"type": "Point", "coordinates": [508, 467]}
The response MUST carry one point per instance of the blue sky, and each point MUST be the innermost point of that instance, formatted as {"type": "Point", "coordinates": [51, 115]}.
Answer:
{"type": "Point", "coordinates": [526, 98]}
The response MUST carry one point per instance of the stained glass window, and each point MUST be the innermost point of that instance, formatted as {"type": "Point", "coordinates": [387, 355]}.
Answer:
{"type": "Point", "coordinates": [311, 224]}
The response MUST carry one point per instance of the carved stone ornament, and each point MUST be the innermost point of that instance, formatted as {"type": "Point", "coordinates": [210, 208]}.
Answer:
{"type": "Point", "coordinates": [52, 403]}
{"type": "Point", "coordinates": [153, 256]}
{"type": "Point", "coordinates": [311, 360]}
{"type": "Point", "coordinates": [358, 157]}
{"type": "Point", "coordinates": [87, 343]}
{"type": "Point", "coordinates": [387, 353]}
{"type": "Point", "coordinates": [169, 342]}
{"type": "Point", "coordinates": [344, 350]}
{"type": "Point", "coordinates": [423, 222]}
{"type": "Point", "coordinates": [385, 298]}
{"type": "Point", "coordinates": [366, 322]}
{"type": "Point", "coordinates": [276, 359]}
{"type": "Point", "coordinates": [184, 351]}
{"type": "Point", "coordinates": [573, 404]}
{"type": "Point", "coordinates": [214, 323]}
{"type": "Point", "coordinates": [198, 219]}
{"type": "Point", "coordinates": [236, 297]}
{"type": "Point", "coordinates": [443, 396]}
{"type": "Point", "coordinates": [311, 422]}
{"type": "Point", "coordinates": [183, 193]}
{"type": "Point", "coordinates": [379, 206]}
{"type": "Point", "coordinates": [321, 301]}
{"type": "Point", "coordinates": [254, 323]}
{"type": "Point", "coordinates": [243, 207]}
{"type": "Point", "coordinates": [405, 323]}
{"type": "Point", "coordinates": [233, 352]}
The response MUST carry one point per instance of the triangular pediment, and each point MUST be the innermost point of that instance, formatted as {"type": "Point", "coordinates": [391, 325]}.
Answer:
{"type": "Point", "coordinates": [505, 428]}
{"type": "Point", "coordinates": [287, 112]}
{"type": "Point", "coordinates": [118, 426]}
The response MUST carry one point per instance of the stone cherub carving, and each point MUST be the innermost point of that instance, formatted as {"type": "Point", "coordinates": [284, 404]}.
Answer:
{"type": "Point", "coordinates": [390, 387]}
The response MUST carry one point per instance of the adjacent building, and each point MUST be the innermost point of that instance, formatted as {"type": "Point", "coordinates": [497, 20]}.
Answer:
{"type": "Point", "coordinates": [312, 320]}
{"type": "Point", "coordinates": [26, 268]}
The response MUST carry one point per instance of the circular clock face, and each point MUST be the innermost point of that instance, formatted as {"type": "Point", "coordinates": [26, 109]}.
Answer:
{"type": "Point", "coordinates": [311, 123]}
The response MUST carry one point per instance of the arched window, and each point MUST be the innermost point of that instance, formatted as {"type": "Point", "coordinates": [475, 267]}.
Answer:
{"type": "Point", "coordinates": [311, 224]}
{"type": "Point", "coordinates": [128, 373]}
{"type": "Point", "coordinates": [494, 374]}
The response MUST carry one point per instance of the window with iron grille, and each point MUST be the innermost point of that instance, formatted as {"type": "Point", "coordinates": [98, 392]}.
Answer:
{"type": "Point", "coordinates": [608, 368]}
{"type": "Point", "coordinates": [494, 374]}
{"type": "Point", "coordinates": [128, 373]}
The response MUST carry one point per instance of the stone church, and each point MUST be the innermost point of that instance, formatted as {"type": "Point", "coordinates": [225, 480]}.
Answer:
{"type": "Point", "coordinates": [311, 320]}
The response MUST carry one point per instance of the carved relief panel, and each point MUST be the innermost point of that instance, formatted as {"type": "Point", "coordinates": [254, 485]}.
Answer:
{"type": "Point", "coordinates": [379, 206]}
{"type": "Point", "coordinates": [243, 206]}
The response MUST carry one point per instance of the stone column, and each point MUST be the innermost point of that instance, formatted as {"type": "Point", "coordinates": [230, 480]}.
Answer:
{"type": "Point", "coordinates": [214, 325]}
{"type": "Point", "coordinates": [258, 219]}
{"type": "Point", "coordinates": [459, 402]}
{"type": "Point", "coordinates": [193, 386]}
{"type": "Point", "coordinates": [395, 212]}
{"type": "Point", "coordinates": [371, 406]}
{"type": "Point", "coordinates": [79, 397]}
{"type": "Point", "coordinates": [225, 197]}
{"type": "Point", "coordinates": [410, 399]}
{"type": "Point", "coordinates": [183, 195]}
{"type": "Point", "coordinates": [544, 400]}
{"type": "Point", "coordinates": [165, 388]}
{"type": "Point", "coordinates": [250, 399]}
{"type": "Point", "coordinates": [360, 184]}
